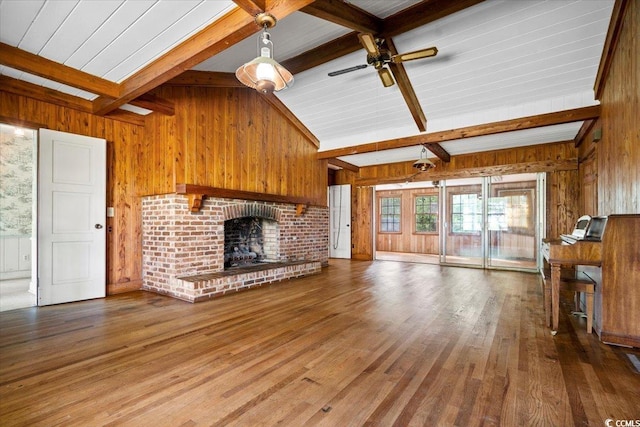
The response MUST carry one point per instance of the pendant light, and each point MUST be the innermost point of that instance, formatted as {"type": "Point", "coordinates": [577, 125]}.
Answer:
{"type": "Point", "coordinates": [264, 73]}
{"type": "Point", "coordinates": [423, 164]}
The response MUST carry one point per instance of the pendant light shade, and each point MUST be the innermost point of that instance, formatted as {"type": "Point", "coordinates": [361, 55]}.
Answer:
{"type": "Point", "coordinates": [264, 73]}
{"type": "Point", "coordinates": [423, 164]}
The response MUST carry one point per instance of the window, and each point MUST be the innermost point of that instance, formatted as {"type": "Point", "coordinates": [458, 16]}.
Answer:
{"type": "Point", "coordinates": [466, 213]}
{"type": "Point", "coordinates": [390, 214]}
{"type": "Point", "coordinates": [426, 214]}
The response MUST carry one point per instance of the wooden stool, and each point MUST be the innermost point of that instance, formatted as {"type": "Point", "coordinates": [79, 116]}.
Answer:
{"type": "Point", "coordinates": [573, 282]}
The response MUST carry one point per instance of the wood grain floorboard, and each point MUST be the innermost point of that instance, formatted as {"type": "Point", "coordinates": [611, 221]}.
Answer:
{"type": "Point", "coordinates": [377, 343]}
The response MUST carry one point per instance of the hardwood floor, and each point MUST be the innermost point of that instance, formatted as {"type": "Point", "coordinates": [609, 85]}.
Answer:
{"type": "Point", "coordinates": [363, 343]}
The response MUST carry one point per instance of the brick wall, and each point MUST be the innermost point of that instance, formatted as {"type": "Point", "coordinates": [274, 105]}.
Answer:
{"type": "Point", "coordinates": [178, 243]}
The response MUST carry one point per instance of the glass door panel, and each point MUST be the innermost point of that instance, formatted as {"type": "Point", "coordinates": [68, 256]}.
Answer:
{"type": "Point", "coordinates": [462, 230]}
{"type": "Point", "coordinates": [512, 239]}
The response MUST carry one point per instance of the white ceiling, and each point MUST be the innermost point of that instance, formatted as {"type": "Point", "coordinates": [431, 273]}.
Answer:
{"type": "Point", "coordinates": [497, 60]}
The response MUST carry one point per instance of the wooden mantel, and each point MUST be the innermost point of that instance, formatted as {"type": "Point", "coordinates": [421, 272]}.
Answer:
{"type": "Point", "coordinates": [197, 193]}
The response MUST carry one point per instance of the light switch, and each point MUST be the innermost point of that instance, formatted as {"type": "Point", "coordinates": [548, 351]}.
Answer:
{"type": "Point", "coordinates": [111, 212]}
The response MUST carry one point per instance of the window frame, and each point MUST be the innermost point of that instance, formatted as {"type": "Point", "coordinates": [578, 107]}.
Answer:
{"type": "Point", "coordinates": [399, 215]}
{"type": "Point", "coordinates": [476, 214]}
{"type": "Point", "coordinates": [436, 213]}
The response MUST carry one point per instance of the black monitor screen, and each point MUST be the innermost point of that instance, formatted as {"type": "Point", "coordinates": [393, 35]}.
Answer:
{"type": "Point", "coordinates": [596, 228]}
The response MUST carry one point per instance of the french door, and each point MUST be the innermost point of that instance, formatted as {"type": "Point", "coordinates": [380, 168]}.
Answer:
{"type": "Point", "coordinates": [492, 222]}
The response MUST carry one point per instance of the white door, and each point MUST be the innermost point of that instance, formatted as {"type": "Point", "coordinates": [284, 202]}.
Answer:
{"type": "Point", "coordinates": [71, 218]}
{"type": "Point", "coordinates": [340, 221]}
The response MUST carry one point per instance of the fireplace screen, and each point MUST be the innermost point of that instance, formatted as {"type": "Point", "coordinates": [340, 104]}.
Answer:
{"type": "Point", "coordinates": [247, 241]}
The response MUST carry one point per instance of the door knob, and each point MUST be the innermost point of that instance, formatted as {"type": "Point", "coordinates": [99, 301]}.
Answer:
{"type": "Point", "coordinates": [98, 226]}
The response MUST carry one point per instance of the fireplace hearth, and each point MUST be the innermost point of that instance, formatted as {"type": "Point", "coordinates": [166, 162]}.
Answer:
{"type": "Point", "coordinates": [193, 257]}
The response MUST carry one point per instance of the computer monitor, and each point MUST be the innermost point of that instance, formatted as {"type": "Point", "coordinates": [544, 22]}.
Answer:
{"type": "Point", "coordinates": [596, 228]}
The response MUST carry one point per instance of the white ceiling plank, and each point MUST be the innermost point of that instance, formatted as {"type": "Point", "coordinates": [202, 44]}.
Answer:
{"type": "Point", "coordinates": [50, 17]}
{"type": "Point", "coordinates": [16, 18]}
{"type": "Point", "coordinates": [82, 22]}
{"type": "Point", "coordinates": [173, 32]}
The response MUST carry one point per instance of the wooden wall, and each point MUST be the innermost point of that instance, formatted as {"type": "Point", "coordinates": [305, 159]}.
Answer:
{"type": "Point", "coordinates": [618, 152]}
{"type": "Point", "coordinates": [228, 138]}
{"type": "Point", "coordinates": [126, 177]}
{"type": "Point", "coordinates": [232, 138]}
{"type": "Point", "coordinates": [407, 240]}
{"type": "Point", "coordinates": [563, 208]}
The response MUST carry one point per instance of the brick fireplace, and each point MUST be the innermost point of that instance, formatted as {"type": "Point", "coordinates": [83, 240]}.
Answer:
{"type": "Point", "coordinates": [184, 251]}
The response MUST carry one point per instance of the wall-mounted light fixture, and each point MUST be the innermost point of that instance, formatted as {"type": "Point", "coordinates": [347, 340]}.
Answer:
{"type": "Point", "coordinates": [263, 73]}
{"type": "Point", "coordinates": [423, 164]}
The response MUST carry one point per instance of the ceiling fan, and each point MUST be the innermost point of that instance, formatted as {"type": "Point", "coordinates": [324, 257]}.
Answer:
{"type": "Point", "coordinates": [378, 56]}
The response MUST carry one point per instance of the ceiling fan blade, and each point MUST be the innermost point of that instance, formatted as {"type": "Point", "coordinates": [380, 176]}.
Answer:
{"type": "Point", "coordinates": [347, 70]}
{"type": "Point", "coordinates": [386, 77]}
{"type": "Point", "coordinates": [369, 43]}
{"type": "Point", "coordinates": [416, 54]}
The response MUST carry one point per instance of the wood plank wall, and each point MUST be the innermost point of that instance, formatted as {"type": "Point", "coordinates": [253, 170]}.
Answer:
{"type": "Point", "coordinates": [232, 138]}
{"type": "Point", "coordinates": [126, 177]}
{"type": "Point", "coordinates": [618, 152]}
{"type": "Point", "coordinates": [563, 207]}
{"type": "Point", "coordinates": [228, 138]}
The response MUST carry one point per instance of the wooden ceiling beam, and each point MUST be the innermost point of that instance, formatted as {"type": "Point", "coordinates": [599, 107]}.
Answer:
{"type": "Point", "coordinates": [252, 7]}
{"type": "Point", "coordinates": [42, 67]}
{"type": "Point", "coordinates": [155, 103]}
{"type": "Point", "coordinates": [52, 96]}
{"type": "Point", "coordinates": [443, 173]}
{"type": "Point", "coordinates": [344, 165]}
{"type": "Point", "coordinates": [41, 93]}
{"type": "Point", "coordinates": [218, 36]}
{"type": "Point", "coordinates": [406, 89]}
{"type": "Point", "coordinates": [205, 79]}
{"type": "Point", "coordinates": [344, 14]}
{"type": "Point", "coordinates": [440, 152]}
{"type": "Point", "coordinates": [326, 52]}
{"type": "Point", "coordinates": [423, 13]}
{"type": "Point", "coordinates": [529, 122]}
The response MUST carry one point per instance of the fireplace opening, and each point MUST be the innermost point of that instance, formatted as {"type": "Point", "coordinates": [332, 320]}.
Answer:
{"type": "Point", "coordinates": [248, 241]}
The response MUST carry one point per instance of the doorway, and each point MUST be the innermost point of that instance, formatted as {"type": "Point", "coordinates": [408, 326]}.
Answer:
{"type": "Point", "coordinates": [18, 217]}
{"type": "Point", "coordinates": [484, 222]}
{"type": "Point", "coordinates": [340, 221]}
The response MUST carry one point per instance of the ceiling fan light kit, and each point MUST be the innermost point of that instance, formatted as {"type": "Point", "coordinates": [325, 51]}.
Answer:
{"type": "Point", "coordinates": [264, 73]}
{"type": "Point", "coordinates": [378, 56]}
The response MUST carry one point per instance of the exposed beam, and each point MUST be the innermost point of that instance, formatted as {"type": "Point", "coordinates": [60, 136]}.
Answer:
{"type": "Point", "coordinates": [342, 164]}
{"type": "Point", "coordinates": [155, 103]}
{"type": "Point", "coordinates": [582, 133]}
{"type": "Point", "coordinates": [440, 152]}
{"type": "Point", "coordinates": [33, 64]}
{"type": "Point", "coordinates": [326, 52]}
{"type": "Point", "coordinates": [344, 14]}
{"type": "Point", "coordinates": [218, 36]}
{"type": "Point", "coordinates": [279, 105]}
{"type": "Point", "coordinates": [406, 88]}
{"type": "Point", "coordinates": [530, 122]}
{"type": "Point", "coordinates": [422, 14]}
{"type": "Point", "coordinates": [611, 41]}
{"type": "Point", "coordinates": [437, 173]}
{"type": "Point", "coordinates": [412, 18]}
{"type": "Point", "coordinates": [252, 7]}
{"type": "Point", "coordinates": [126, 116]}
{"type": "Point", "coordinates": [41, 93]}
{"type": "Point", "coordinates": [206, 79]}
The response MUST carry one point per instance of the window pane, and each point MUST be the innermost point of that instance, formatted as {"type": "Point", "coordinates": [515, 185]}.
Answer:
{"type": "Point", "coordinates": [426, 214]}
{"type": "Point", "coordinates": [390, 214]}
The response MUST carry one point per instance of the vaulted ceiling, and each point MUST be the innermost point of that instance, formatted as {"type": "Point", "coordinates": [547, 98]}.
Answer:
{"type": "Point", "coordinates": [507, 73]}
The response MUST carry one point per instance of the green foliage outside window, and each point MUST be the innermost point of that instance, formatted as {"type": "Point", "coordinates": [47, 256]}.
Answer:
{"type": "Point", "coordinates": [426, 209]}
